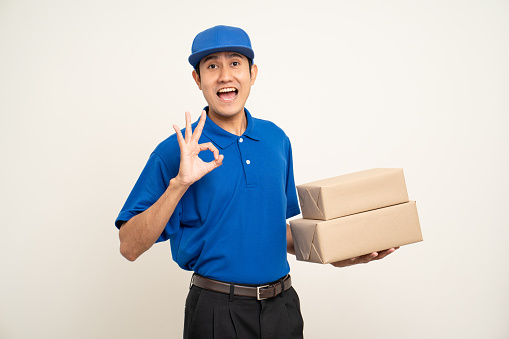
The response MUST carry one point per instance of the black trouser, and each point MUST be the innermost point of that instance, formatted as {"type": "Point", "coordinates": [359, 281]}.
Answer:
{"type": "Point", "coordinates": [212, 314]}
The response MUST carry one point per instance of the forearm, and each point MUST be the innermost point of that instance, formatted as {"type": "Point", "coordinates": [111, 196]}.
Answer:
{"type": "Point", "coordinates": [289, 241]}
{"type": "Point", "coordinates": [139, 233]}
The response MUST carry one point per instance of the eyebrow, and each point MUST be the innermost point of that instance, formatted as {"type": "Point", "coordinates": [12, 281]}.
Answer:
{"type": "Point", "coordinates": [228, 56]}
{"type": "Point", "coordinates": [233, 55]}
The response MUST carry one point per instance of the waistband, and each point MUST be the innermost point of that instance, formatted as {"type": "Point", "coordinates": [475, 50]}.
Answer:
{"type": "Point", "coordinates": [260, 292]}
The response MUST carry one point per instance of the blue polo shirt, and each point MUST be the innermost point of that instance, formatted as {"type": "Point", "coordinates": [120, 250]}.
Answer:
{"type": "Point", "coordinates": [231, 224]}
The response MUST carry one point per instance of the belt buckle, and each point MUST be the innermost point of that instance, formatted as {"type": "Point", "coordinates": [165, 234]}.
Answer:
{"type": "Point", "coordinates": [258, 297]}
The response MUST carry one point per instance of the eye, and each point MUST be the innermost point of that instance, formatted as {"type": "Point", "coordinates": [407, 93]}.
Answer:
{"type": "Point", "coordinates": [235, 63]}
{"type": "Point", "coordinates": [212, 66]}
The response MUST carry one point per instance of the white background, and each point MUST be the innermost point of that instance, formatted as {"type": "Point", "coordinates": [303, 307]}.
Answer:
{"type": "Point", "coordinates": [89, 88]}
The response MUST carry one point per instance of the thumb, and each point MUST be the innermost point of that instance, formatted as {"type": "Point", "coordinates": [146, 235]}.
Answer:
{"type": "Point", "coordinates": [210, 166]}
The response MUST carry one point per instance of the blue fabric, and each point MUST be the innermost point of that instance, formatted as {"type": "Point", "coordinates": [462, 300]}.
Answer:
{"type": "Point", "coordinates": [231, 224]}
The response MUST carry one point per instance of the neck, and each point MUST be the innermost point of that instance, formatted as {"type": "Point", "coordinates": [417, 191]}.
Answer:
{"type": "Point", "coordinates": [235, 124]}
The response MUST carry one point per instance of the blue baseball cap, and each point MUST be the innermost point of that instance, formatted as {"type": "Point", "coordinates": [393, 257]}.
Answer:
{"type": "Point", "coordinates": [220, 39]}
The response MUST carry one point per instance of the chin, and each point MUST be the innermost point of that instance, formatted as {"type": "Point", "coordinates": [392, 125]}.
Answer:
{"type": "Point", "coordinates": [227, 112]}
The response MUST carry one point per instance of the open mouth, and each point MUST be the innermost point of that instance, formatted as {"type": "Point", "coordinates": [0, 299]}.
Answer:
{"type": "Point", "coordinates": [227, 93]}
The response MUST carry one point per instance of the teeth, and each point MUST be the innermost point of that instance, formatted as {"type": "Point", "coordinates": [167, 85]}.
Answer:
{"type": "Point", "coordinates": [228, 89]}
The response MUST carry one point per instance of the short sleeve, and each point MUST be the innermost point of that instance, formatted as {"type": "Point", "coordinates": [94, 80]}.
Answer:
{"type": "Point", "coordinates": [292, 206]}
{"type": "Point", "coordinates": [152, 183]}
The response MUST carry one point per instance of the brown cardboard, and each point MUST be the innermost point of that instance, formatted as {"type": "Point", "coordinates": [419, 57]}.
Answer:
{"type": "Point", "coordinates": [352, 193]}
{"type": "Point", "coordinates": [357, 234]}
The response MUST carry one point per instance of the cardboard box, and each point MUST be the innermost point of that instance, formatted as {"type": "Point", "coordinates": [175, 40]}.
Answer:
{"type": "Point", "coordinates": [352, 193]}
{"type": "Point", "coordinates": [357, 234]}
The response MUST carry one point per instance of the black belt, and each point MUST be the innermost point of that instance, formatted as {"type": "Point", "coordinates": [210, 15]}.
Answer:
{"type": "Point", "coordinates": [259, 292]}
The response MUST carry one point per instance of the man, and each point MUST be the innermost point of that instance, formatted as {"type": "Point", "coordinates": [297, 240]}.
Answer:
{"type": "Point", "coordinates": [221, 193]}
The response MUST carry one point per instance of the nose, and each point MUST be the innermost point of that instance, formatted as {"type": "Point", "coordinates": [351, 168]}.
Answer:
{"type": "Point", "coordinates": [225, 74]}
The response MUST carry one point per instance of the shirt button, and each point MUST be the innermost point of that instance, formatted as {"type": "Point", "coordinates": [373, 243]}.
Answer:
{"type": "Point", "coordinates": [241, 140]}
{"type": "Point", "coordinates": [248, 162]}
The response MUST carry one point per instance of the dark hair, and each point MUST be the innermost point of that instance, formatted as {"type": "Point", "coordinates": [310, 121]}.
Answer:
{"type": "Point", "coordinates": [250, 62]}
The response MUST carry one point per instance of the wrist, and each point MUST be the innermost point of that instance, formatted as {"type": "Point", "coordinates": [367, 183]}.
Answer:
{"type": "Point", "coordinates": [177, 184]}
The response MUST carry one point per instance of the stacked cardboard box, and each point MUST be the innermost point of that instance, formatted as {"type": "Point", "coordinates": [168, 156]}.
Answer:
{"type": "Point", "coordinates": [354, 214]}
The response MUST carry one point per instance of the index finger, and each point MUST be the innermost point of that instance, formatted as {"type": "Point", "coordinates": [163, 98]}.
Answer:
{"type": "Point", "coordinates": [199, 128]}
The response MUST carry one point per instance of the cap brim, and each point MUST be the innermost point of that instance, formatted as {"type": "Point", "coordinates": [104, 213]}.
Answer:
{"type": "Point", "coordinates": [195, 58]}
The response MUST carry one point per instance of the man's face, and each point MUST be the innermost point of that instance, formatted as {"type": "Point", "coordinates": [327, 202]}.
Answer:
{"type": "Point", "coordinates": [225, 80]}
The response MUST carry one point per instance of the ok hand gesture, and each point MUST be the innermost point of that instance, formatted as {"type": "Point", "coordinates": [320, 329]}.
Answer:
{"type": "Point", "coordinates": [192, 168]}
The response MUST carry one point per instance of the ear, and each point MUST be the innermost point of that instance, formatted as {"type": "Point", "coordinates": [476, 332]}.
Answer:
{"type": "Point", "coordinates": [254, 73]}
{"type": "Point", "coordinates": [196, 78]}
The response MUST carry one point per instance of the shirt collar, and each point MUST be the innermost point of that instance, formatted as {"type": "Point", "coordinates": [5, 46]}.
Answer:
{"type": "Point", "coordinates": [224, 138]}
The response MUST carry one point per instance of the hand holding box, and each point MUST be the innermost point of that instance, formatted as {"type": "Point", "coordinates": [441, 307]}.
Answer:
{"type": "Point", "coordinates": [374, 215]}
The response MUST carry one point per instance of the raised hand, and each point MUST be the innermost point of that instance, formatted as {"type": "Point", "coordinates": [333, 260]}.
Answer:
{"type": "Point", "coordinates": [192, 168]}
{"type": "Point", "coordinates": [364, 259]}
